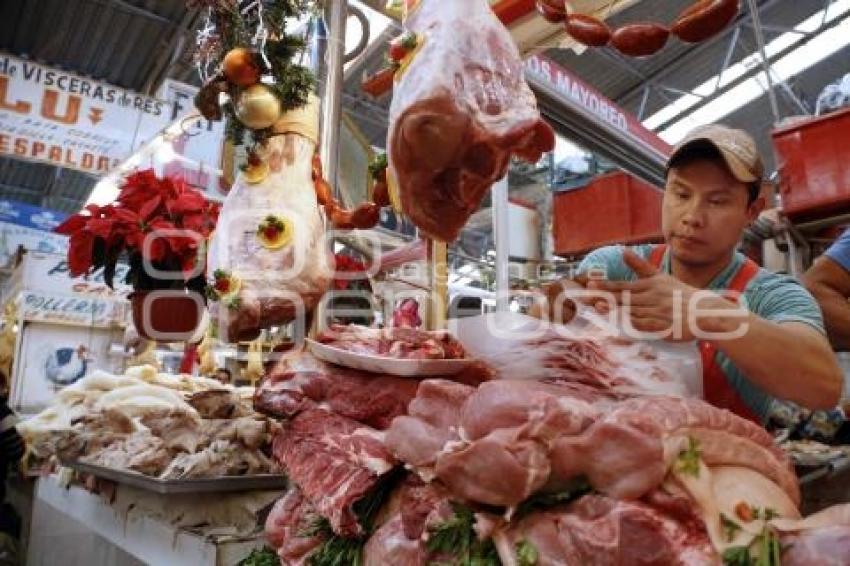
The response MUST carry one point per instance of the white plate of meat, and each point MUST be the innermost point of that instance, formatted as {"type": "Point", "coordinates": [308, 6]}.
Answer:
{"type": "Point", "coordinates": [401, 351]}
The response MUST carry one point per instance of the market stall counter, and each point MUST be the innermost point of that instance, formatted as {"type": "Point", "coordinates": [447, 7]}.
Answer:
{"type": "Point", "coordinates": [71, 525]}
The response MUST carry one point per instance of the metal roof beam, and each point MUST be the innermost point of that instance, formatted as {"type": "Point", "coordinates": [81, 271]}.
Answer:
{"type": "Point", "coordinates": [136, 10]}
{"type": "Point", "coordinates": [759, 69]}
{"type": "Point", "coordinates": [675, 64]}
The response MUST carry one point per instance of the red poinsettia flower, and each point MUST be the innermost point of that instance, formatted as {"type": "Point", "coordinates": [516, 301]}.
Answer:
{"type": "Point", "coordinates": [175, 216]}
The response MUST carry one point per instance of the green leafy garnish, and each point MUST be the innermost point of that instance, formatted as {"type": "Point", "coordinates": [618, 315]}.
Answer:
{"type": "Point", "coordinates": [730, 527]}
{"type": "Point", "coordinates": [540, 501]}
{"type": "Point", "coordinates": [689, 459]}
{"type": "Point", "coordinates": [378, 164]}
{"type": "Point", "coordinates": [526, 553]}
{"type": "Point", "coordinates": [737, 556]}
{"type": "Point", "coordinates": [768, 547]}
{"type": "Point", "coordinates": [767, 513]}
{"type": "Point", "coordinates": [264, 557]}
{"type": "Point", "coordinates": [339, 551]}
{"type": "Point", "coordinates": [456, 537]}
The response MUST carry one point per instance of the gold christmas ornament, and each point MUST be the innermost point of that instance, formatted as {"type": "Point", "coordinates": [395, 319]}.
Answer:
{"type": "Point", "coordinates": [258, 107]}
{"type": "Point", "coordinates": [240, 67]}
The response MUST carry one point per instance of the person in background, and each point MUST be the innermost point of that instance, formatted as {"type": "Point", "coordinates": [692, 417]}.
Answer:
{"type": "Point", "coordinates": [223, 375]}
{"type": "Point", "coordinates": [828, 280]}
{"type": "Point", "coordinates": [11, 451]}
{"type": "Point", "coordinates": [693, 284]}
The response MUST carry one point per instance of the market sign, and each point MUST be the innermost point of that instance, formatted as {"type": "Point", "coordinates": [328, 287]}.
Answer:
{"type": "Point", "coordinates": [37, 306]}
{"type": "Point", "coordinates": [52, 116]}
{"type": "Point", "coordinates": [51, 273]}
{"type": "Point", "coordinates": [30, 227]}
{"type": "Point", "coordinates": [196, 151]}
{"type": "Point", "coordinates": [587, 97]}
{"type": "Point", "coordinates": [30, 216]}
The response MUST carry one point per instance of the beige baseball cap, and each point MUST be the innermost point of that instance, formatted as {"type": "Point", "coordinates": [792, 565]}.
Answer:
{"type": "Point", "coordinates": [737, 148]}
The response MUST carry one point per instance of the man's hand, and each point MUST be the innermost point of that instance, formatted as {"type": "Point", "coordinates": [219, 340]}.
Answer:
{"type": "Point", "coordinates": [659, 303]}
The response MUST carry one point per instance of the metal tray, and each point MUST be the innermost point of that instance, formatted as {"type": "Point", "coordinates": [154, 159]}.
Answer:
{"type": "Point", "coordinates": [196, 485]}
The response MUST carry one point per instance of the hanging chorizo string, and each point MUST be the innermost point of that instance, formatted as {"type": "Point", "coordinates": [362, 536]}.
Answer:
{"type": "Point", "coordinates": [700, 21]}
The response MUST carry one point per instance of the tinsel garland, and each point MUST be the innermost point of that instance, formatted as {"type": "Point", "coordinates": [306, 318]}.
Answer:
{"type": "Point", "coordinates": [233, 23]}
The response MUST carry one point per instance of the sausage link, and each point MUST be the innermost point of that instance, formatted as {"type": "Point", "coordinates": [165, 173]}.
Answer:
{"type": "Point", "coordinates": [640, 39]}
{"type": "Point", "coordinates": [366, 215]}
{"type": "Point", "coordinates": [588, 30]}
{"type": "Point", "coordinates": [704, 19]}
{"type": "Point", "coordinates": [552, 11]}
{"type": "Point", "coordinates": [381, 194]}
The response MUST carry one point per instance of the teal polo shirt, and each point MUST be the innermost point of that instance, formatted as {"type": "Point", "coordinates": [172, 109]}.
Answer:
{"type": "Point", "coordinates": [773, 297]}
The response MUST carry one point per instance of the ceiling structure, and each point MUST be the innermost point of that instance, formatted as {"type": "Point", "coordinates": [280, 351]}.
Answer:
{"type": "Point", "coordinates": [136, 44]}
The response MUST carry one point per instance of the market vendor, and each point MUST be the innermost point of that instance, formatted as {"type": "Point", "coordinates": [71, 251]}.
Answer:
{"type": "Point", "coordinates": [829, 281]}
{"type": "Point", "coordinates": [712, 194]}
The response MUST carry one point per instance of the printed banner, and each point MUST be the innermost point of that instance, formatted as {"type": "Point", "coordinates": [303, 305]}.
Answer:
{"type": "Point", "coordinates": [30, 216]}
{"type": "Point", "coordinates": [71, 309]}
{"type": "Point", "coordinates": [56, 117]}
{"type": "Point", "coordinates": [64, 119]}
{"type": "Point", "coordinates": [13, 235]}
{"type": "Point", "coordinates": [584, 95]}
{"type": "Point", "coordinates": [50, 273]}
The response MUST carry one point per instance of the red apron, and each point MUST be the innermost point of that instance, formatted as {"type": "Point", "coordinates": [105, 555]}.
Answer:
{"type": "Point", "coordinates": [716, 387]}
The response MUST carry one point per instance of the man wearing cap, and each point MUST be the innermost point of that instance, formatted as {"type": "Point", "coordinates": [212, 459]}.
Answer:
{"type": "Point", "coordinates": [693, 286]}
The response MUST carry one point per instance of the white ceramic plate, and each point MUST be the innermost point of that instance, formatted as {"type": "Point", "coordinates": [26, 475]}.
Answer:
{"type": "Point", "coordinates": [392, 366]}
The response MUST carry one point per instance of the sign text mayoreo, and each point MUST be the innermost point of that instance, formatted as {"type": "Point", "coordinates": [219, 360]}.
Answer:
{"type": "Point", "coordinates": [579, 92]}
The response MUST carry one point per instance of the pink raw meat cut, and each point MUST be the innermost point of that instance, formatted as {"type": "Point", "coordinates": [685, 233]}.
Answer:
{"type": "Point", "coordinates": [398, 342]}
{"type": "Point", "coordinates": [628, 452]}
{"type": "Point", "coordinates": [433, 417]}
{"type": "Point", "coordinates": [827, 546]}
{"type": "Point", "coordinates": [600, 531]}
{"type": "Point", "coordinates": [488, 444]}
{"type": "Point", "coordinates": [290, 517]}
{"type": "Point", "coordinates": [303, 382]}
{"type": "Point", "coordinates": [513, 438]}
{"type": "Point", "coordinates": [335, 461]}
{"type": "Point", "coordinates": [401, 540]}
{"type": "Point", "coordinates": [459, 111]}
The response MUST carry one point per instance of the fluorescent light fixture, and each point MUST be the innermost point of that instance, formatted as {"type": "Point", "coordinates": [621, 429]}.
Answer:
{"type": "Point", "coordinates": [811, 53]}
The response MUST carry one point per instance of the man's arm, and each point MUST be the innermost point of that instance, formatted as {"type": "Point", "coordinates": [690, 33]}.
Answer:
{"type": "Point", "coordinates": [830, 285]}
{"type": "Point", "coordinates": [788, 360]}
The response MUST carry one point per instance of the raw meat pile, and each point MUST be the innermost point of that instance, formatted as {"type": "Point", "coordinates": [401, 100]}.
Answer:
{"type": "Point", "coordinates": [568, 463]}
{"type": "Point", "coordinates": [460, 110]}
{"type": "Point", "coordinates": [396, 342]}
{"type": "Point", "coordinates": [165, 426]}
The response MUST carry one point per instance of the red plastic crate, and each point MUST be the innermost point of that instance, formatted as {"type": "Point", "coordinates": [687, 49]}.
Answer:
{"type": "Point", "coordinates": [813, 160]}
{"type": "Point", "coordinates": [614, 208]}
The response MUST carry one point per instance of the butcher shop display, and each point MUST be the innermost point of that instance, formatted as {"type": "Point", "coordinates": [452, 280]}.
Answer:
{"type": "Point", "coordinates": [461, 108]}
{"type": "Point", "coordinates": [581, 459]}
{"type": "Point", "coordinates": [164, 426]}
{"type": "Point", "coordinates": [394, 342]}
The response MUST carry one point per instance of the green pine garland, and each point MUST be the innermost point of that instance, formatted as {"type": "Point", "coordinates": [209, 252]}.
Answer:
{"type": "Point", "coordinates": [292, 82]}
